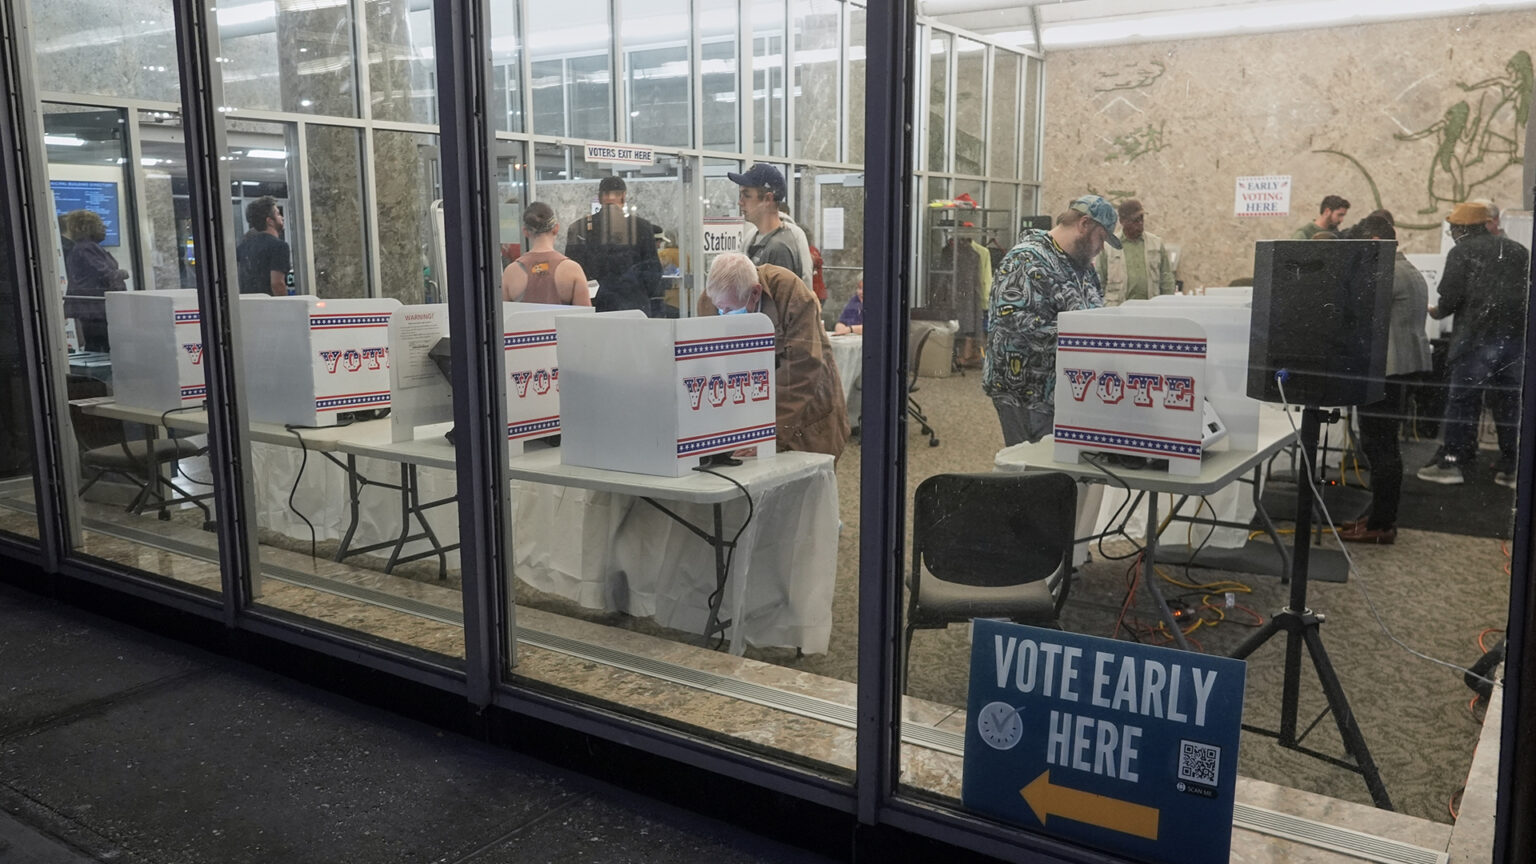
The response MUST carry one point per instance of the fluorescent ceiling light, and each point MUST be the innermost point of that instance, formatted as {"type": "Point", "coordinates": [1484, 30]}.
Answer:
{"type": "Point", "coordinates": [266, 154]}
{"type": "Point", "coordinates": [63, 141]}
{"type": "Point", "coordinates": [1258, 17]}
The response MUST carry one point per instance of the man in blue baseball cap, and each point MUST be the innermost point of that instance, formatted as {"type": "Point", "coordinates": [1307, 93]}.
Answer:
{"type": "Point", "coordinates": [771, 239]}
{"type": "Point", "coordinates": [1046, 273]}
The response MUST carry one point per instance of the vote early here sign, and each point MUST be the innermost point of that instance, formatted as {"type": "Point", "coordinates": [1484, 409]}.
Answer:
{"type": "Point", "coordinates": [1129, 748]}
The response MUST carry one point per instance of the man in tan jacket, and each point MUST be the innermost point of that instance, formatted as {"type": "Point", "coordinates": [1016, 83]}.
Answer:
{"type": "Point", "coordinates": [808, 394]}
{"type": "Point", "coordinates": [1142, 268]}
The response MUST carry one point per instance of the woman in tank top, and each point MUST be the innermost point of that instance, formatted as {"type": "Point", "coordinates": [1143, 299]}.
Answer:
{"type": "Point", "coordinates": [543, 275]}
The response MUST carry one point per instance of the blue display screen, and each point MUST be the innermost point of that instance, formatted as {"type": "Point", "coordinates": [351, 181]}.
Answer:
{"type": "Point", "coordinates": [97, 196]}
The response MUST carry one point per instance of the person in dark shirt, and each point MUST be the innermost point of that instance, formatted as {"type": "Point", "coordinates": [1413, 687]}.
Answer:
{"type": "Point", "coordinates": [1484, 285]}
{"type": "Point", "coordinates": [618, 251]}
{"type": "Point", "coordinates": [852, 319]}
{"type": "Point", "coordinates": [91, 272]}
{"type": "Point", "coordinates": [262, 257]}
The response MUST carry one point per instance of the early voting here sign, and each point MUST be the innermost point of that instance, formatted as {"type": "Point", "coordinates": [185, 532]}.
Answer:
{"type": "Point", "coordinates": [1130, 748]}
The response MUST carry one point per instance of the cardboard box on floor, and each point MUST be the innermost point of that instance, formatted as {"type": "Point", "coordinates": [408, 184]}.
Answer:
{"type": "Point", "coordinates": [157, 348]}
{"type": "Point", "coordinates": [654, 395]}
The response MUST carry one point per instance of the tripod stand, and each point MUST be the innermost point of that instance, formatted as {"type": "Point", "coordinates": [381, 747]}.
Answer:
{"type": "Point", "coordinates": [1301, 625]}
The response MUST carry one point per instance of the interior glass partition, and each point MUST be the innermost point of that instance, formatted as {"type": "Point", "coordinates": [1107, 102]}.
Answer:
{"type": "Point", "coordinates": [817, 26]}
{"type": "Point", "coordinates": [572, 84]}
{"type": "Point", "coordinates": [853, 115]}
{"type": "Point", "coordinates": [719, 71]}
{"type": "Point", "coordinates": [336, 236]}
{"type": "Point", "coordinates": [769, 102]}
{"type": "Point", "coordinates": [1003, 115]}
{"type": "Point", "coordinates": [657, 71]}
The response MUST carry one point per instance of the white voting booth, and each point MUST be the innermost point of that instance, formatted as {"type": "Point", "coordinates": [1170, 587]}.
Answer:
{"type": "Point", "coordinates": [308, 361]}
{"type": "Point", "coordinates": [652, 396]}
{"type": "Point", "coordinates": [1134, 378]}
{"type": "Point", "coordinates": [157, 348]}
{"type": "Point", "coordinates": [532, 383]}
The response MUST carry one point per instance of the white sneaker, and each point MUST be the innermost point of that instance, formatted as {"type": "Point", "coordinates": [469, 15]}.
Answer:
{"type": "Point", "coordinates": [1505, 479]}
{"type": "Point", "coordinates": [1442, 472]}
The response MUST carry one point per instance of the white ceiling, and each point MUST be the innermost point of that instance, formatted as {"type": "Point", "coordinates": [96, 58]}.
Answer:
{"type": "Point", "coordinates": [1078, 23]}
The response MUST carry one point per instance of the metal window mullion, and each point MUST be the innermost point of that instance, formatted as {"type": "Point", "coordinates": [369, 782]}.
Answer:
{"type": "Point", "coordinates": [478, 363]}
{"type": "Point", "coordinates": [844, 93]}
{"type": "Point", "coordinates": [298, 187]}
{"type": "Point", "coordinates": [24, 173]}
{"type": "Point", "coordinates": [371, 216]}
{"type": "Point", "coordinates": [792, 150]}
{"type": "Point", "coordinates": [143, 246]}
{"type": "Point", "coordinates": [746, 63]}
{"type": "Point", "coordinates": [372, 266]}
{"type": "Point", "coordinates": [889, 54]}
{"type": "Point", "coordinates": [525, 62]}
{"type": "Point", "coordinates": [618, 65]}
{"type": "Point", "coordinates": [696, 80]}
{"type": "Point", "coordinates": [197, 44]}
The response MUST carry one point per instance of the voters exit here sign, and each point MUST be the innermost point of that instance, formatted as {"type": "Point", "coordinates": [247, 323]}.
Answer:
{"type": "Point", "coordinates": [1129, 748]}
{"type": "Point", "coordinates": [1269, 195]}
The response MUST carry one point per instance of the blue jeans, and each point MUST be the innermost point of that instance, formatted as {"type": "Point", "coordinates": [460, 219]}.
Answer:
{"type": "Point", "coordinates": [1020, 424]}
{"type": "Point", "coordinates": [1492, 369]}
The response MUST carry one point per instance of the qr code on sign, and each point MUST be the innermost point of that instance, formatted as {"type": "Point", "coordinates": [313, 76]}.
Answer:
{"type": "Point", "coordinates": [1199, 763]}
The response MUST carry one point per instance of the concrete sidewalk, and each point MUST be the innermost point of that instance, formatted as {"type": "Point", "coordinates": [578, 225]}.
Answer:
{"type": "Point", "coordinates": [118, 745]}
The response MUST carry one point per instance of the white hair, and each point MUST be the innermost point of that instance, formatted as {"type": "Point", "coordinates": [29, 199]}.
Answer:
{"type": "Point", "coordinates": [731, 278]}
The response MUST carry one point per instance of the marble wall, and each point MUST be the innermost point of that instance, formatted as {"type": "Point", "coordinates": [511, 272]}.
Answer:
{"type": "Point", "coordinates": [1411, 116]}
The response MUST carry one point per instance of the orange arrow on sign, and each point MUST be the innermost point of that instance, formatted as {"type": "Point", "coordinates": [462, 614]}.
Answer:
{"type": "Point", "coordinates": [1090, 809]}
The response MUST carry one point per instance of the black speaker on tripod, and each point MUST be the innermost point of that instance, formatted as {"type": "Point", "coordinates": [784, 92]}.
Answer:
{"type": "Point", "coordinates": [1320, 312]}
{"type": "Point", "coordinates": [1318, 336]}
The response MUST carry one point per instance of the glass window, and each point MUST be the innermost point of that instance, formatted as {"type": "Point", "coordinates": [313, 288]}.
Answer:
{"type": "Point", "coordinates": [938, 100]}
{"type": "Point", "coordinates": [137, 484]}
{"type": "Point", "coordinates": [1029, 150]}
{"type": "Point", "coordinates": [658, 74]}
{"type": "Point", "coordinates": [572, 82]}
{"type": "Point", "coordinates": [1003, 118]}
{"type": "Point", "coordinates": [296, 58]}
{"type": "Point", "coordinates": [402, 71]}
{"type": "Point", "coordinates": [130, 52]}
{"type": "Point", "coordinates": [969, 113]}
{"type": "Point", "coordinates": [335, 234]}
{"type": "Point", "coordinates": [407, 237]}
{"type": "Point", "coordinates": [818, 41]}
{"type": "Point", "coordinates": [721, 101]}
{"type": "Point", "coordinates": [768, 100]}
{"type": "Point", "coordinates": [507, 91]}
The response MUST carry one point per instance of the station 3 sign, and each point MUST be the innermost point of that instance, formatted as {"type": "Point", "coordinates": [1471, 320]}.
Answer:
{"type": "Point", "coordinates": [1129, 748]}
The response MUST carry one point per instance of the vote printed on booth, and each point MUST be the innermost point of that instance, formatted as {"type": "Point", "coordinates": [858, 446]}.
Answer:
{"type": "Point", "coordinates": [1131, 748]}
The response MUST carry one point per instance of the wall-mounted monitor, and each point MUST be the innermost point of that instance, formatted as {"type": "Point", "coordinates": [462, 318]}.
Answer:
{"type": "Point", "coordinates": [98, 196]}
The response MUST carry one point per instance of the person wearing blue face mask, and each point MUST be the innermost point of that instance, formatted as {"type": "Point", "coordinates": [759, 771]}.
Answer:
{"type": "Point", "coordinates": [808, 394]}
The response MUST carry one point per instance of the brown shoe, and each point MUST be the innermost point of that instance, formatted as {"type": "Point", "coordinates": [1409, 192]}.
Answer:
{"type": "Point", "coordinates": [1360, 534]}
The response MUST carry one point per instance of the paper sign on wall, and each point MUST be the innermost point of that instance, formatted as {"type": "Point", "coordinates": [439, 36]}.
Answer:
{"type": "Point", "coordinates": [1268, 195]}
{"type": "Point", "coordinates": [723, 235]}
{"type": "Point", "coordinates": [622, 154]}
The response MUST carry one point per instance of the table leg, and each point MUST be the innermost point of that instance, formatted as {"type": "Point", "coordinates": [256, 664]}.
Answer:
{"type": "Point", "coordinates": [1269, 527]}
{"type": "Point", "coordinates": [714, 625]}
{"type": "Point", "coordinates": [1149, 575]}
{"type": "Point", "coordinates": [405, 517]}
{"type": "Point", "coordinates": [354, 491]}
{"type": "Point", "coordinates": [414, 481]}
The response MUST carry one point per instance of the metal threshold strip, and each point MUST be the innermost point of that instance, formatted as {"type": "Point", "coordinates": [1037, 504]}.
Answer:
{"type": "Point", "coordinates": [1296, 829]}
